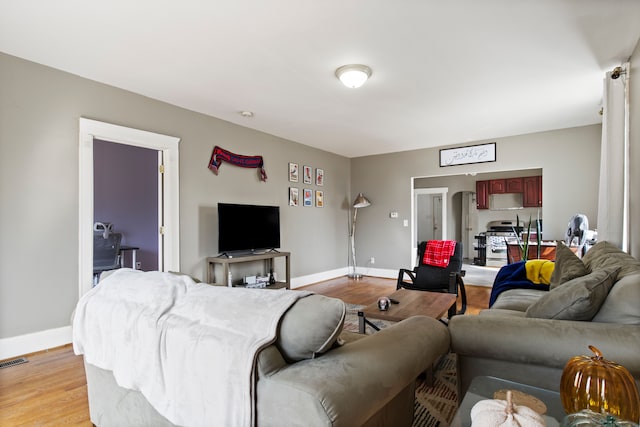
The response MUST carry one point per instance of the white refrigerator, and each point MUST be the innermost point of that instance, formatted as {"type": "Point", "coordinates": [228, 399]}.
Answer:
{"type": "Point", "coordinates": [469, 224]}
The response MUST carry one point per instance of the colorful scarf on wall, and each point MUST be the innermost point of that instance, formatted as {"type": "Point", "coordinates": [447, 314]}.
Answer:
{"type": "Point", "coordinates": [220, 154]}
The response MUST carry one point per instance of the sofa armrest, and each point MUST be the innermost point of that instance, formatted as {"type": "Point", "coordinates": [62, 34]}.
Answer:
{"type": "Point", "coordinates": [349, 384]}
{"type": "Point", "coordinates": [543, 341]}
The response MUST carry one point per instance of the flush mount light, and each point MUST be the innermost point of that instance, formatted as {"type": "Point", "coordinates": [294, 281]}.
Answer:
{"type": "Point", "coordinates": [247, 114]}
{"type": "Point", "coordinates": [353, 75]}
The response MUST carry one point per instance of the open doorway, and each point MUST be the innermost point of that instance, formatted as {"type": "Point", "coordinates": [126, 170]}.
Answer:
{"type": "Point", "coordinates": [127, 191]}
{"type": "Point", "coordinates": [168, 227]}
{"type": "Point", "coordinates": [428, 217]}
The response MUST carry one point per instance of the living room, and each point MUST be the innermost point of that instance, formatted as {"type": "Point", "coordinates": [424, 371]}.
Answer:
{"type": "Point", "coordinates": [41, 107]}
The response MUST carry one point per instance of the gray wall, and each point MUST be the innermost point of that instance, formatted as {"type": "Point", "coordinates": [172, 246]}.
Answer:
{"type": "Point", "coordinates": [39, 112]}
{"type": "Point", "coordinates": [568, 158]}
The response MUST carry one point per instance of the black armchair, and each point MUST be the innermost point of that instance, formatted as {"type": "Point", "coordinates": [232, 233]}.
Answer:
{"type": "Point", "coordinates": [448, 279]}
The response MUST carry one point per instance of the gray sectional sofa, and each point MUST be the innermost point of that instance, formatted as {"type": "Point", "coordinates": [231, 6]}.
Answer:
{"type": "Point", "coordinates": [308, 377]}
{"type": "Point", "coordinates": [529, 335]}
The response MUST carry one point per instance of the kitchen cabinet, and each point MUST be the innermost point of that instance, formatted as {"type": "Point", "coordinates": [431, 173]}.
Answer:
{"type": "Point", "coordinates": [513, 185]}
{"type": "Point", "coordinates": [507, 185]}
{"type": "Point", "coordinates": [497, 186]}
{"type": "Point", "coordinates": [532, 191]}
{"type": "Point", "coordinates": [482, 194]}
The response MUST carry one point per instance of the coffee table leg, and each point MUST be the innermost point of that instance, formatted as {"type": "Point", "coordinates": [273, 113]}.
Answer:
{"type": "Point", "coordinates": [361, 324]}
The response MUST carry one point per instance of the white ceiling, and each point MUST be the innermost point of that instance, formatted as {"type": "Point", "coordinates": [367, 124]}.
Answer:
{"type": "Point", "coordinates": [444, 72]}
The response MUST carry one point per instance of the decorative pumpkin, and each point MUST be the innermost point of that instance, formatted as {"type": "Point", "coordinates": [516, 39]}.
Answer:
{"type": "Point", "coordinates": [588, 418]}
{"type": "Point", "coordinates": [592, 382]}
{"type": "Point", "coordinates": [494, 413]}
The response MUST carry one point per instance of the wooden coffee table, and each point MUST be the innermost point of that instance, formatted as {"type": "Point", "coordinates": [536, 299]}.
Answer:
{"type": "Point", "coordinates": [411, 303]}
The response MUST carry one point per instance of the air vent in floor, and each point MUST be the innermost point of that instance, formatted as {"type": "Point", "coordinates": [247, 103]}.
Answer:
{"type": "Point", "coordinates": [14, 362]}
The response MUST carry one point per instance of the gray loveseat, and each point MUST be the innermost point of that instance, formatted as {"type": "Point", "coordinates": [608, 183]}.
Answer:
{"type": "Point", "coordinates": [307, 378]}
{"type": "Point", "coordinates": [529, 335]}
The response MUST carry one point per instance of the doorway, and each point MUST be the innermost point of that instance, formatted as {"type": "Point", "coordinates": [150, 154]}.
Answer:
{"type": "Point", "coordinates": [127, 194]}
{"type": "Point", "coordinates": [167, 148]}
{"type": "Point", "coordinates": [428, 217]}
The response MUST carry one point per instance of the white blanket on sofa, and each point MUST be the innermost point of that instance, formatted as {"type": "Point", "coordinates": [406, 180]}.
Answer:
{"type": "Point", "coordinates": [189, 348]}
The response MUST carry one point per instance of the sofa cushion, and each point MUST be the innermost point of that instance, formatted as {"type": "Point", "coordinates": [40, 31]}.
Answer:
{"type": "Point", "coordinates": [568, 266]}
{"type": "Point", "coordinates": [517, 299]}
{"type": "Point", "coordinates": [604, 254]}
{"type": "Point", "coordinates": [310, 327]}
{"type": "Point", "coordinates": [621, 305]}
{"type": "Point", "coordinates": [577, 299]}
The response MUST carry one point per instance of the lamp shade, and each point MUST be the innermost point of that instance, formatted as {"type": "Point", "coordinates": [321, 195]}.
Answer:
{"type": "Point", "coordinates": [361, 202]}
{"type": "Point", "coordinates": [353, 75]}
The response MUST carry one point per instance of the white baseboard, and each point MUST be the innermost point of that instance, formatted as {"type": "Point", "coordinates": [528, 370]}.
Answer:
{"type": "Point", "coordinates": [378, 272]}
{"type": "Point", "coordinates": [297, 282]}
{"type": "Point", "coordinates": [37, 341]}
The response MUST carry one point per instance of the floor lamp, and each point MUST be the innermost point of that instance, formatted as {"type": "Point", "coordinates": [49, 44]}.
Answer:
{"type": "Point", "coordinates": [360, 202]}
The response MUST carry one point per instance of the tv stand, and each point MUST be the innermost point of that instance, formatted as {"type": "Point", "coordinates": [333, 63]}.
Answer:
{"type": "Point", "coordinates": [225, 261]}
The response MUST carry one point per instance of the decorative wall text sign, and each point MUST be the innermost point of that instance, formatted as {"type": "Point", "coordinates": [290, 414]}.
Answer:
{"type": "Point", "coordinates": [220, 154]}
{"type": "Point", "coordinates": [465, 155]}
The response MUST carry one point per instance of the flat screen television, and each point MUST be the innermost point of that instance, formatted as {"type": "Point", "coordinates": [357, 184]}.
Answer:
{"type": "Point", "coordinates": [248, 228]}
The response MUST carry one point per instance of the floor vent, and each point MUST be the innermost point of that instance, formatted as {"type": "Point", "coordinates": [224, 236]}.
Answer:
{"type": "Point", "coordinates": [14, 362]}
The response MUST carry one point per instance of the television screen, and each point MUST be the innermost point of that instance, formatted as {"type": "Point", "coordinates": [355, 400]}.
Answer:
{"type": "Point", "coordinates": [248, 228]}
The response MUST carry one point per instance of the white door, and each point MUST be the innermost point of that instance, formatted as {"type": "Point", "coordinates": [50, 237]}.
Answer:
{"type": "Point", "coordinates": [423, 217]}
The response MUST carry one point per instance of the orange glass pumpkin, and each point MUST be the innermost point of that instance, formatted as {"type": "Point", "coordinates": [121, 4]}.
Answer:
{"type": "Point", "coordinates": [592, 382]}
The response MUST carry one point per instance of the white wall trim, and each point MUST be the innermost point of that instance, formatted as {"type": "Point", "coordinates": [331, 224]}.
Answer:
{"type": "Point", "coordinates": [37, 341]}
{"type": "Point", "coordinates": [92, 129]}
{"type": "Point", "coordinates": [310, 279]}
{"type": "Point", "coordinates": [297, 282]}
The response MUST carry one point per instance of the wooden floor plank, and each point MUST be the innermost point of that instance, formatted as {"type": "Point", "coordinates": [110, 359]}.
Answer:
{"type": "Point", "coordinates": [51, 389]}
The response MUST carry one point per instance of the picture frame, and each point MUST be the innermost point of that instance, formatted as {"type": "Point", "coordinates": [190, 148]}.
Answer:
{"type": "Point", "coordinates": [307, 197]}
{"type": "Point", "coordinates": [319, 177]}
{"type": "Point", "coordinates": [293, 172]}
{"type": "Point", "coordinates": [480, 153]}
{"type": "Point", "coordinates": [294, 196]}
{"type": "Point", "coordinates": [307, 172]}
{"type": "Point", "coordinates": [319, 199]}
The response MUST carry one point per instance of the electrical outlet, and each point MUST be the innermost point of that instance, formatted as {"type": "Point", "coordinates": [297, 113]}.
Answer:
{"type": "Point", "coordinates": [138, 265]}
{"type": "Point", "coordinates": [372, 260]}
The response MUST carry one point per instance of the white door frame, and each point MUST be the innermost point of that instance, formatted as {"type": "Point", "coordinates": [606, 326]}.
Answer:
{"type": "Point", "coordinates": [168, 146]}
{"type": "Point", "coordinates": [414, 215]}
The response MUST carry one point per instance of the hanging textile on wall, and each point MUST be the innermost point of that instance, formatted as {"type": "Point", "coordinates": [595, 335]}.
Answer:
{"type": "Point", "coordinates": [220, 154]}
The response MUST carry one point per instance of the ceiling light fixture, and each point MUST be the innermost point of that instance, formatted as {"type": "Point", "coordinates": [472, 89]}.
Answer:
{"type": "Point", "coordinates": [247, 114]}
{"type": "Point", "coordinates": [353, 75]}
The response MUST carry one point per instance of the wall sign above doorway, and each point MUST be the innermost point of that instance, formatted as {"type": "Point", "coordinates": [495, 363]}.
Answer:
{"type": "Point", "coordinates": [465, 155]}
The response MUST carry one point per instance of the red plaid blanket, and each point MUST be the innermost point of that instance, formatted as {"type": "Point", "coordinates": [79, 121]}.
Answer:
{"type": "Point", "coordinates": [438, 252]}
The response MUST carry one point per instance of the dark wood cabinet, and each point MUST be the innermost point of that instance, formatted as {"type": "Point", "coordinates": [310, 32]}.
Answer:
{"type": "Point", "coordinates": [513, 185]}
{"type": "Point", "coordinates": [497, 186]}
{"type": "Point", "coordinates": [532, 191]}
{"type": "Point", "coordinates": [482, 194]}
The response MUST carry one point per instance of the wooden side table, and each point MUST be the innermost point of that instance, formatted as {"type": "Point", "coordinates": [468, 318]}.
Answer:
{"type": "Point", "coordinates": [267, 257]}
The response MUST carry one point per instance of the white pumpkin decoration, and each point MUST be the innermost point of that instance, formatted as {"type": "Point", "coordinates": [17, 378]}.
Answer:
{"type": "Point", "coordinates": [494, 413]}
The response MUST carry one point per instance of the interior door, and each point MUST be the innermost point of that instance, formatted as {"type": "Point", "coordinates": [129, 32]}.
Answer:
{"type": "Point", "coordinates": [436, 204]}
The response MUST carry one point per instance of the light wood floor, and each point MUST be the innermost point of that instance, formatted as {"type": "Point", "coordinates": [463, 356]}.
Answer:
{"type": "Point", "coordinates": [51, 389]}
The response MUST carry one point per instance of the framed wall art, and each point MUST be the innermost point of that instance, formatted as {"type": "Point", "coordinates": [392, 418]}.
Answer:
{"type": "Point", "coordinates": [306, 175]}
{"type": "Point", "coordinates": [293, 196]}
{"type": "Point", "coordinates": [293, 172]}
{"type": "Point", "coordinates": [319, 177]}
{"type": "Point", "coordinates": [319, 199]}
{"type": "Point", "coordinates": [465, 155]}
{"type": "Point", "coordinates": [308, 197]}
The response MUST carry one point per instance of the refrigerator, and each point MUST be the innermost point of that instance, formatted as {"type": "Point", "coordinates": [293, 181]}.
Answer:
{"type": "Point", "coordinates": [469, 224]}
